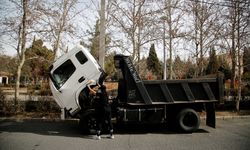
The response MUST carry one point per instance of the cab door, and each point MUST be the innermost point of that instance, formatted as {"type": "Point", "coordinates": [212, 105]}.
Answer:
{"type": "Point", "coordinates": [88, 66]}
{"type": "Point", "coordinates": [71, 77]}
{"type": "Point", "coordinates": [64, 79]}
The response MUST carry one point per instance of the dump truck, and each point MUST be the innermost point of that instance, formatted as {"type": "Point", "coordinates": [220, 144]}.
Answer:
{"type": "Point", "coordinates": [176, 103]}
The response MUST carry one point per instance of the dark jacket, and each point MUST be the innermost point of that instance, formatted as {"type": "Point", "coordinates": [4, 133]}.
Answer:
{"type": "Point", "coordinates": [102, 103]}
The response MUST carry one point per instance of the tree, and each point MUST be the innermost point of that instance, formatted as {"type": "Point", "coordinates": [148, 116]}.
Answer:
{"type": "Point", "coordinates": [204, 30]}
{"type": "Point", "coordinates": [179, 68]}
{"type": "Point", "coordinates": [246, 71]}
{"type": "Point", "coordinates": [153, 63]}
{"type": "Point", "coordinates": [224, 66]}
{"type": "Point", "coordinates": [93, 41]}
{"type": "Point", "coordinates": [242, 33]}
{"type": "Point", "coordinates": [237, 23]}
{"type": "Point", "coordinates": [93, 44]}
{"type": "Point", "coordinates": [134, 20]}
{"type": "Point", "coordinates": [213, 64]}
{"type": "Point", "coordinates": [58, 23]}
{"type": "Point", "coordinates": [109, 64]}
{"type": "Point", "coordinates": [8, 64]}
{"type": "Point", "coordinates": [22, 41]}
{"type": "Point", "coordinates": [172, 14]}
{"type": "Point", "coordinates": [39, 58]}
{"type": "Point", "coordinates": [1, 49]}
{"type": "Point", "coordinates": [246, 64]}
{"type": "Point", "coordinates": [17, 27]}
{"type": "Point", "coordinates": [189, 68]}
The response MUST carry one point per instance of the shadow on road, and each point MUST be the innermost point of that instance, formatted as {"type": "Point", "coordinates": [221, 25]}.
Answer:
{"type": "Point", "coordinates": [41, 127]}
{"type": "Point", "coordinates": [71, 129]}
{"type": "Point", "coordinates": [150, 128]}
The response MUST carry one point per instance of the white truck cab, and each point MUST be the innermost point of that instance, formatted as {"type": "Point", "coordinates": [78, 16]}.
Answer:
{"type": "Point", "coordinates": [69, 75]}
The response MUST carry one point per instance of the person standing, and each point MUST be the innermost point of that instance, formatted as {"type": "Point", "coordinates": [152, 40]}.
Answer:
{"type": "Point", "coordinates": [103, 110]}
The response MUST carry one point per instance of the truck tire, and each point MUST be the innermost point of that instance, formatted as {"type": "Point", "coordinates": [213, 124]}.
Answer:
{"type": "Point", "coordinates": [188, 120]}
{"type": "Point", "coordinates": [87, 122]}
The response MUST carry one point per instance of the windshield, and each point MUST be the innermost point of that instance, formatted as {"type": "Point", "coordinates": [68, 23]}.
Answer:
{"type": "Point", "coordinates": [63, 73]}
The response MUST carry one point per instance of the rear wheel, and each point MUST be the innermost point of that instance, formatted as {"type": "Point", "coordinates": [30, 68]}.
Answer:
{"type": "Point", "coordinates": [87, 122]}
{"type": "Point", "coordinates": [188, 120]}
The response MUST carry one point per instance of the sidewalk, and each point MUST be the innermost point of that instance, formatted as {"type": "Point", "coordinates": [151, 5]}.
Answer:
{"type": "Point", "coordinates": [219, 115]}
{"type": "Point", "coordinates": [229, 114]}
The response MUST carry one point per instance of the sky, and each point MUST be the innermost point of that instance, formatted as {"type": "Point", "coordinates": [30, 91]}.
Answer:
{"type": "Point", "coordinates": [90, 15]}
{"type": "Point", "coordinates": [88, 21]}
{"type": "Point", "coordinates": [7, 50]}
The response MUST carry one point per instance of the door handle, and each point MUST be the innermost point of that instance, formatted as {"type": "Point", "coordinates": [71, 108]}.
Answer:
{"type": "Point", "coordinates": [81, 79]}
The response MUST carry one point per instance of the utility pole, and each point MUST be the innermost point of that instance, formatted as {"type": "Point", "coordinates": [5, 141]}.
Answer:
{"type": "Point", "coordinates": [239, 56]}
{"type": "Point", "coordinates": [164, 18]}
{"type": "Point", "coordinates": [169, 21]}
{"type": "Point", "coordinates": [102, 35]}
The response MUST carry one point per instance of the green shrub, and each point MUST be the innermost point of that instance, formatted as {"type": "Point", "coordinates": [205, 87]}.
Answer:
{"type": "Point", "coordinates": [31, 106]}
{"type": "Point", "coordinates": [44, 104]}
{"type": "Point", "coordinates": [2, 102]}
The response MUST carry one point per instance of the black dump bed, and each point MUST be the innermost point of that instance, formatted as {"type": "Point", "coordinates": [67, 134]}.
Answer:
{"type": "Point", "coordinates": [132, 90]}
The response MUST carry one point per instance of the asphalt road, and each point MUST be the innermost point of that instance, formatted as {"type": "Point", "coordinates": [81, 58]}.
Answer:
{"type": "Point", "coordinates": [230, 134]}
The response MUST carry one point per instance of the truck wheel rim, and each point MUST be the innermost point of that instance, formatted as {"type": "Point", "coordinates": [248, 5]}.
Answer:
{"type": "Point", "coordinates": [190, 120]}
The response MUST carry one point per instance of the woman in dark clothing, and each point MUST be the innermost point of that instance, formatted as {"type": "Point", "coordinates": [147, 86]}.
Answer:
{"type": "Point", "coordinates": [103, 110]}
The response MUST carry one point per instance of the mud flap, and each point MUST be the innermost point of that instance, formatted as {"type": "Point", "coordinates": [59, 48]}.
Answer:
{"type": "Point", "coordinates": [210, 111]}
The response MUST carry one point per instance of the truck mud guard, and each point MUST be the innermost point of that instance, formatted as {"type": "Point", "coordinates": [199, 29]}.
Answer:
{"type": "Point", "coordinates": [210, 107]}
{"type": "Point", "coordinates": [210, 115]}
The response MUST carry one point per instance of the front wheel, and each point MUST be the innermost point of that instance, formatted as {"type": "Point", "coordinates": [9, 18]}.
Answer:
{"type": "Point", "coordinates": [188, 120]}
{"type": "Point", "coordinates": [88, 123]}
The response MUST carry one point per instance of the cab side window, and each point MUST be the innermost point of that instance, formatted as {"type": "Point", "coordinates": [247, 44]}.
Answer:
{"type": "Point", "coordinates": [81, 57]}
{"type": "Point", "coordinates": [63, 73]}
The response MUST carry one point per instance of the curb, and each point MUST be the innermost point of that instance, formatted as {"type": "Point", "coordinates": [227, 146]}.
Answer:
{"type": "Point", "coordinates": [77, 120]}
{"type": "Point", "coordinates": [39, 120]}
{"type": "Point", "coordinates": [233, 117]}
{"type": "Point", "coordinates": [230, 117]}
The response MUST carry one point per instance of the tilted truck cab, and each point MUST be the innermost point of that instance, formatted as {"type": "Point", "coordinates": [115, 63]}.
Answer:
{"type": "Point", "coordinates": [69, 76]}
{"type": "Point", "coordinates": [175, 102]}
